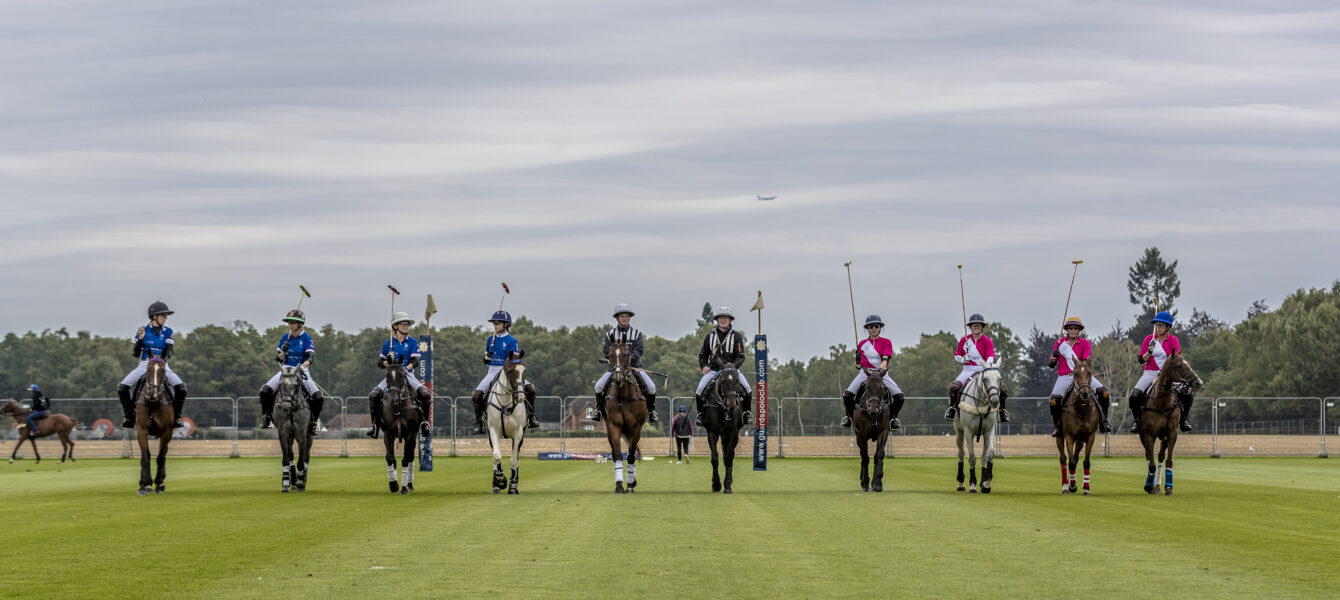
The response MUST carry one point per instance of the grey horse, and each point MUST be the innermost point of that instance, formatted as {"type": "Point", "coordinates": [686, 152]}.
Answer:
{"type": "Point", "coordinates": [291, 415]}
{"type": "Point", "coordinates": [978, 413]}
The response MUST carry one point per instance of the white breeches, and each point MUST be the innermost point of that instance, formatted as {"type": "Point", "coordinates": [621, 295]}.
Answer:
{"type": "Point", "coordinates": [1064, 381]}
{"type": "Point", "coordinates": [135, 375]}
{"type": "Point", "coordinates": [487, 381]}
{"type": "Point", "coordinates": [1146, 381]}
{"type": "Point", "coordinates": [702, 383]}
{"type": "Point", "coordinates": [307, 384]}
{"type": "Point", "coordinates": [409, 378]}
{"type": "Point", "coordinates": [967, 373]}
{"type": "Point", "coordinates": [861, 377]}
{"type": "Point", "coordinates": [605, 379]}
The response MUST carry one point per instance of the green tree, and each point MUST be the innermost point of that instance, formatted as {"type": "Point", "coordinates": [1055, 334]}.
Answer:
{"type": "Point", "coordinates": [1151, 280]}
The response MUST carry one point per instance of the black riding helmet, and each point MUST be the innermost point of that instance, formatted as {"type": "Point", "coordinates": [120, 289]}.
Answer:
{"type": "Point", "coordinates": [976, 319]}
{"type": "Point", "coordinates": [159, 308]}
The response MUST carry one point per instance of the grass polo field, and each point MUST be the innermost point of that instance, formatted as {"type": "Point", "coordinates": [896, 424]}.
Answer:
{"type": "Point", "coordinates": [1237, 527]}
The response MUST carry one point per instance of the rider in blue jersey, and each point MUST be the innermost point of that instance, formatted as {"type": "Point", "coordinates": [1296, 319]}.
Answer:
{"type": "Point", "coordinates": [295, 350]}
{"type": "Point", "coordinates": [152, 341]}
{"type": "Point", "coordinates": [403, 349]}
{"type": "Point", "coordinates": [497, 348]}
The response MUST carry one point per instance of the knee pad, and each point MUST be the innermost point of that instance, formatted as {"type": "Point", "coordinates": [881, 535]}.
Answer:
{"type": "Point", "coordinates": [423, 394]}
{"type": "Point", "coordinates": [1054, 401]}
{"type": "Point", "coordinates": [955, 387]}
{"type": "Point", "coordinates": [529, 388]}
{"type": "Point", "coordinates": [180, 388]}
{"type": "Point", "coordinates": [1004, 391]}
{"type": "Point", "coordinates": [121, 387]}
{"type": "Point", "coordinates": [375, 395]}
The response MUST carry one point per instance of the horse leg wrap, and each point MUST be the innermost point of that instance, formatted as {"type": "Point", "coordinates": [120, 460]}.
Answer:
{"type": "Point", "coordinates": [618, 471]}
{"type": "Point", "coordinates": [127, 405]}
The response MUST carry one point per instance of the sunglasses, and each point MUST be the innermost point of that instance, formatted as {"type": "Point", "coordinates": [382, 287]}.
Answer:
{"type": "Point", "coordinates": [874, 326]}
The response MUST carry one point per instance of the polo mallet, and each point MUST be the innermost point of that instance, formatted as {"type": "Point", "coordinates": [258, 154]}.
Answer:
{"type": "Point", "coordinates": [855, 334]}
{"type": "Point", "coordinates": [305, 294]}
{"type": "Point", "coordinates": [1077, 263]}
{"type": "Point", "coordinates": [962, 299]}
{"type": "Point", "coordinates": [506, 292]}
{"type": "Point", "coordinates": [394, 293]}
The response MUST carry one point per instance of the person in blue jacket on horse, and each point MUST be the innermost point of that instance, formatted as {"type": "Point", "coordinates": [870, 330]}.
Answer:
{"type": "Point", "coordinates": [497, 348]}
{"type": "Point", "coordinates": [295, 350]}
{"type": "Point", "coordinates": [401, 348]}
{"type": "Point", "coordinates": [152, 341]}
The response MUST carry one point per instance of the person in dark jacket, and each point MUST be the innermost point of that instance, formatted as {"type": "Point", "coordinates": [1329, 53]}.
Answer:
{"type": "Point", "coordinates": [682, 429]}
{"type": "Point", "coordinates": [624, 330]}
{"type": "Point", "coordinates": [722, 347]}
{"type": "Point", "coordinates": [40, 409]}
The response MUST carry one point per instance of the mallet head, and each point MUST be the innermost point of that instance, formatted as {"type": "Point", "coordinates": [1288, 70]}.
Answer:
{"type": "Point", "coordinates": [393, 290]}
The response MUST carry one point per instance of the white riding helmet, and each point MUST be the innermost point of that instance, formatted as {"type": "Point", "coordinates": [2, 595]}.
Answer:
{"type": "Point", "coordinates": [622, 308]}
{"type": "Point", "coordinates": [401, 317]}
{"type": "Point", "coordinates": [723, 311]}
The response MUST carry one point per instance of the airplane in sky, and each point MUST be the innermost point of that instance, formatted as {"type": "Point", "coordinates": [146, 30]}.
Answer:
{"type": "Point", "coordinates": [765, 198]}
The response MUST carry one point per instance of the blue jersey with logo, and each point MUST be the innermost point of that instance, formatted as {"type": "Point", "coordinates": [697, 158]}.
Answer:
{"type": "Point", "coordinates": [498, 347]}
{"type": "Point", "coordinates": [155, 341]}
{"type": "Point", "coordinates": [295, 349]}
{"type": "Point", "coordinates": [404, 351]}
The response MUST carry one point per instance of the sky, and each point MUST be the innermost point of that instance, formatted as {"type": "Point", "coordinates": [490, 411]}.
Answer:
{"type": "Point", "coordinates": [215, 155]}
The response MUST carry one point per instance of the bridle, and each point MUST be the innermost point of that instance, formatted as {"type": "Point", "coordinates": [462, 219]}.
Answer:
{"type": "Point", "coordinates": [516, 388]}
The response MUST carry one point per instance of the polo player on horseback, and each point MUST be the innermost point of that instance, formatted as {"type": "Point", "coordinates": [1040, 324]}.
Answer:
{"type": "Point", "coordinates": [1154, 352]}
{"type": "Point", "coordinates": [623, 330]}
{"type": "Point", "coordinates": [972, 352]}
{"type": "Point", "coordinates": [40, 408]}
{"type": "Point", "coordinates": [401, 348]}
{"type": "Point", "coordinates": [873, 352]}
{"type": "Point", "coordinates": [722, 347]}
{"type": "Point", "coordinates": [295, 350]}
{"type": "Point", "coordinates": [1066, 352]}
{"type": "Point", "coordinates": [152, 341]}
{"type": "Point", "coordinates": [497, 348]}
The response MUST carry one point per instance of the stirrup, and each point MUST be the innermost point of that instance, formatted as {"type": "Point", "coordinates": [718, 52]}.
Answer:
{"type": "Point", "coordinates": [1004, 416]}
{"type": "Point", "coordinates": [698, 419]}
{"type": "Point", "coordinates": [1104, 427]}
{"type": "Point", "coordinates": [1056, 431]}
{"type": "Point", "coordinates": [266, 422]}
{"type": "Point", "coordinates": [1135, 427]}
{"type": "Point", "coordinates": [652, 418]}
{"type": "Point", "coordinates": [532, 422]}
{"type": "Point", "coordinates": [1185, 426]}
{"type": "Point", "coordinates": [425, 429]}
{"type": "Point", "coordinates": [178, 423]}
{"type": "Point", "coordinates": [128, 422]}
{"type": "Point", "coordinates": [311, 429]}
{"type": "Point", "coordinates": [950, 413]}
{"type": "Point", "coordinates": [895, 424]}
{"type": "Point", "coordinates": [372, 431]}
{"type": "Point", "coordinates": [479, 427]}
{"type": "Point", "coordinates": [846, 422]}
{"type": "Point", "coordinates": [747, 418]}
{"type": "Point", "coordinates": [596, 416]}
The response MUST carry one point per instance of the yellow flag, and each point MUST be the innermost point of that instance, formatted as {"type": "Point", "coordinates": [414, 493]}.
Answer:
{"type": "Point", "coordinates": [758, 305]}
{"type": "Point", "coordinates": [431, 310]}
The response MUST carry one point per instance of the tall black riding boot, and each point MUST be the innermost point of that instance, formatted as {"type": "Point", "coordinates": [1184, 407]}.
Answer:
{"type": "Point", "coordinates": [1055, 402]}
{"type": "Point", "coordinates": [1004, 395]}
{"type": "Point", "coordinates": [747, 403]}
{"type": "Point", "coordinates": [178, 400]}
{"type": "Point", "coordinates": [698, 405]}
{"type": "Point", "coordinates": [424, 399]}
{"type": "Point", "coordinates": [267, 396]}
{"type": "Point", "coordinates": [127, 405]}
{"type": "Point", "coordinates": [1185, 401]}
{"type": "Point", "coordinates": [598, 412]}
{"type": "Point", "coordinates": [954, 390]}
{"type": "Point", "coordinates": [1104, 401]}
{"type": "Point", "coordinates": [314, 404]}
{"type": "Point", "coordinates": [651, 409]}
{"type": "Point", "coordinates": [848, 405]}
{"type": "Point", "coordinates": [531, 421]}
{"type": "Point", "coordinates": [894, 423]}
{"type": "Point", "coordinates": [477, 399]}
{"type": "Point", "coordinates": [375, 411]}
{"type": "Point", "coordinates": [1137, 402]}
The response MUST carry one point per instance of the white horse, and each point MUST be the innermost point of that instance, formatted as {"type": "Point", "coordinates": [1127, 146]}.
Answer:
{"type": "Point", "coordinates": [505, 414]}
{"type": "Point", "coordinates": [977, 416]}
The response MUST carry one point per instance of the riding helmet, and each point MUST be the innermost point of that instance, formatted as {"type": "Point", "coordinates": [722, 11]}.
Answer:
{"type": "Point", "coordinates": [1164, 317]}
{"type": "Point", "coordinates": [874, 320]}
{"type": "Point", "coordinates": [34, 388]}
{"type": "Point", "coordinates": [1073, 321]}
{"type": "Point", "coordinates": [723, 311]}
{"type": "Point", "coordinates": [976, 319]}
{"type": "Point", "coordinates": [158, 308]}
{"type": "Point", "coordinates": [501, 316]}
{"type": "Point", "coordinates": [295, 316]}
{"type": "Point", "coordinates": [401, 317]}
{"type": "Point", "coordinates": [622, 308]}
{"type": "Point", "coordinates": [682, 409]}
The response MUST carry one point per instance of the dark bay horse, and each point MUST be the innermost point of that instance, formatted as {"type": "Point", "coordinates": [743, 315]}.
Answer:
{"type": "Point", "coordinates": [506, 416]}
{"type": "Point", "coordinates": [56, 423]}
{"type": "Point", "coordinates": [1080, 418]}
{"type": "Point", "coordinates": [722, 418]}
{"type": "Point", "coordinates": [870, 422]}
{"type": "Point", "coordinates": [1162, 412]}
{"type": "Point", "coordinates": [625, 414]}
{"type": "Point", "coordinates": [154, 416]}
{"type": "Point", "coordinates": [400, 421]}
{"type": "Point", "coordinates": [291, 415]}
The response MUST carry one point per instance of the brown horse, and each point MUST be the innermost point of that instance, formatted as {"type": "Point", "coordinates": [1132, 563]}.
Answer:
{"type": "Point", "coordinates": [55, 423]}
{"type": "Point", "coordinates": [870, 422]}
{"type": "Point", "coordinates": [1080, 418]}
{"type": "Point", "coordinates": [154, 416]}
{"type": "Point", "coordinates": [1161, 415]}
{"type": "Point", "coordinates": [625, 414]}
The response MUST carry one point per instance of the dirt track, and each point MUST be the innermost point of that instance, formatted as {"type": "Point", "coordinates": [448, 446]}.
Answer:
{"type": "Point", "coordinates": [1019, 445]}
